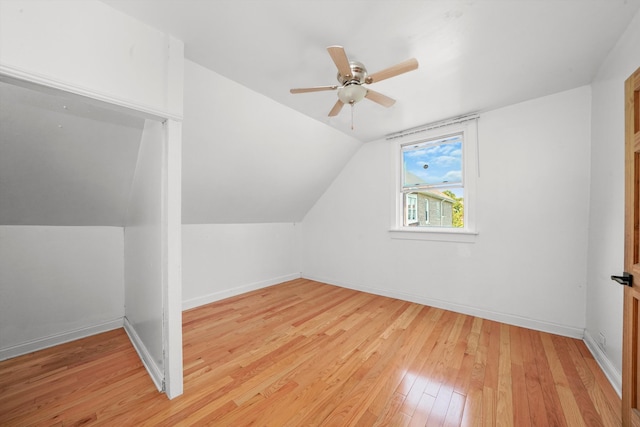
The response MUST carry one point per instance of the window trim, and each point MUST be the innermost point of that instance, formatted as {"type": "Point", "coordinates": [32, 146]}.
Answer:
{"type": "Point", "coordinates": [470, 170]}
{"type": "Point", "coordinates": [413, 218]}
{"type": "Point", "coordinates": [427, 216]}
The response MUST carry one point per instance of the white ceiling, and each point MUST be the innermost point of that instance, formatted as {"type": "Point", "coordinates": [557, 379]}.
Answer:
{"type": "Point", "coordinates": [474, 55]}
{"type": "Point", "coordinates": [257, 162]}
{"type": "Point", "coordinates": [64, 161]}
{"type": "Point", "coordinates": [75, 165]}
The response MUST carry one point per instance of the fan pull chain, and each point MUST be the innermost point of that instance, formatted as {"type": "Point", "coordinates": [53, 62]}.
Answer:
{"type": "Point", "coordinates": [352, 104]}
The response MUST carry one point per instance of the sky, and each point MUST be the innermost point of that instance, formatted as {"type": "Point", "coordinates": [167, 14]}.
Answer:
{"type": "Point", "coordinates": [434, 162]}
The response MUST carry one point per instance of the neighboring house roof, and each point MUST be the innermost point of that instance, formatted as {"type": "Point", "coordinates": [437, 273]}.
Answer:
{"type": "Point", "coordinates": [413, 178]}
{"type": "Point", "coordinates": [436, 194]}
{"type": "Point", "coordinates": [416, 180]}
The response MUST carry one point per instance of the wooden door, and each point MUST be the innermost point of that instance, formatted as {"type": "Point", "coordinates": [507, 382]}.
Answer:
{"type": "Point", "coordinates": [631, 319]}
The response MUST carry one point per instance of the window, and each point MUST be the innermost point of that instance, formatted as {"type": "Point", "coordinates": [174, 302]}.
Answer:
{"type": "Point", "coordinates": [411, 209]}
{"type": "Point", "coordinates": [426, 211]}
{"type": "Point", "coordinates": [436, 182]}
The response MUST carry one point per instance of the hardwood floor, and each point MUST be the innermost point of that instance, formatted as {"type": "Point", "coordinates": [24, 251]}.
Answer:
{"type": "Point", "coordinates": [306, 353]}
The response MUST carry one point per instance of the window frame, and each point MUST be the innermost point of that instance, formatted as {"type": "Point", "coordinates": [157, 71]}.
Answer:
{"type": "Point", "coordinates": [469, 131]}
{"type": "Point", "coordinates": [427, 215]}
{"type": "Point", "coordinates": [413, 218]}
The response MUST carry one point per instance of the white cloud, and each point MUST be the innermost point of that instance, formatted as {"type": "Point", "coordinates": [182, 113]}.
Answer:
{"type": "Point", "coordinates": [452, 176]}
{"type": "Point", "coordinates": [445, 160]}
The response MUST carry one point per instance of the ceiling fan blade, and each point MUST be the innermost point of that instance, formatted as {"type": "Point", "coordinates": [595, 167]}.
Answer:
{"type": "Point", "coordinates": [403, 67]}
{"type": "Point", "coordinates": [340, 59]}
{"type": "Point", "coordinates": [336, 108]}
{"type": "Point", "coordinates": [381, 99]}
{"type": "Point", "coordinates": [313, 89]}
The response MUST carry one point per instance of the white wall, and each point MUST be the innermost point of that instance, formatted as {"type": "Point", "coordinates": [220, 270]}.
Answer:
{"type": "Point", "coordinates": [88, 48]}
{"type": "Point", "coordinates": [248, 159]}
{"type": "Point", "coordinates": [221, 260]}
{"type": "Point", "coordinates": [528, 265]}
{"type": "Point", "coordinates": [91, 47]}
{"type": "Point", "coordinates": [606, 210]}
{"type": "Point", "coordinates": [252, 168]}
{"type": "Point", "coordinates": [64, 161]}
{"type": "Point", "coordinates": [58, 284]}
{"type": "Point", "coordinates": [143, 253]}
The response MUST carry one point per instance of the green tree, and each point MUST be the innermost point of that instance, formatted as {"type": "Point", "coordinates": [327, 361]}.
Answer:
{"type": "Point", "coordinates": [458, 209]}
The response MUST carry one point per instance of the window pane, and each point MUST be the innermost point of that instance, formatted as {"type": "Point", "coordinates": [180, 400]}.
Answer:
{"type": "Point", "coordinates": [434, 208]}
{"type": "Point", "coordinates": [433, 163]}
{"type": "Point", "coordinates": [411, 209]}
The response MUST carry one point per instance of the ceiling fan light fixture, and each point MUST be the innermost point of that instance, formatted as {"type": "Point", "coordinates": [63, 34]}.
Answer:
{"type": "Point", "coordinates": [352, 93]}
{"type": "Point", "coordinates": [352, 75]}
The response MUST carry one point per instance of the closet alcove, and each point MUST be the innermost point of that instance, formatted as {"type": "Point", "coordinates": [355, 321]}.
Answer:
{"type": "Point", "coordinates": [82, 228]}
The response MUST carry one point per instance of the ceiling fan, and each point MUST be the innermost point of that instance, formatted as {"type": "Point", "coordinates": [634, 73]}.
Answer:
{"type": "Point", "coordinates": [352, 75]}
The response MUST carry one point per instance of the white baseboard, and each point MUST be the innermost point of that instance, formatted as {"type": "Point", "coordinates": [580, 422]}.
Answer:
{"type": "Point", "coordinates": [61, 338]}
{"type": "Point", "coordinates": [612, 374]}
{"type": "Point", "coordinates": [510, 319]}
{"type": "Point", "coordinates": [156, 374]}
{"type": "Point", "coordinates": [217, 296]}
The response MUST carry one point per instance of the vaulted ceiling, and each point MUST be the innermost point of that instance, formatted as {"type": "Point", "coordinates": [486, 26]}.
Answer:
{"type": "Point", "coordinates": [253, 152]}
{"type": "Point", "coordinates": [474, 55]}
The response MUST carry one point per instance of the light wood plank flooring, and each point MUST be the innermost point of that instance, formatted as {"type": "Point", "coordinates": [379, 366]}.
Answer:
{"type": "Point", "coordinates": [306, 353]}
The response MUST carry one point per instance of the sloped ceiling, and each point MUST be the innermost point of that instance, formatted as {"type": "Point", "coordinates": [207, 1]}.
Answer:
{"type": "Point", "coordinates": [474, 55]}
{"type": "Point", "coordinates": [248, 159]}
{"type": "Point", "coordinates": [252, 152]}
{"type": "Point", "coordinates": [64, 161]}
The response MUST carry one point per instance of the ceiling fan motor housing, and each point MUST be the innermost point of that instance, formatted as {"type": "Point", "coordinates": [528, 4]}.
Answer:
{"type": "Point", "coordinates": [358, 74]}
{"type": "Point", "coordinates": [352, 75]}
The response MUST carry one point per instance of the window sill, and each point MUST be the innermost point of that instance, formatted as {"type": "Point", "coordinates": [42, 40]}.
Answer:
{"type": "Point", "coordinates": [434, 235]}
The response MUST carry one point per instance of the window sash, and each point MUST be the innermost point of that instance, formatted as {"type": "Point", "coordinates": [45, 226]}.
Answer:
{"type": "Point", "coordinates": [446, 149]}
{"type": "Point", "coordinates": [411, 216]}
{"type": "Point", "coordinates": [470, 172]}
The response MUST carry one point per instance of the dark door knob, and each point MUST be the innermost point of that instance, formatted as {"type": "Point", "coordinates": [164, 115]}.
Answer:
{"type": "Point", "coordinates": [626, 279]}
